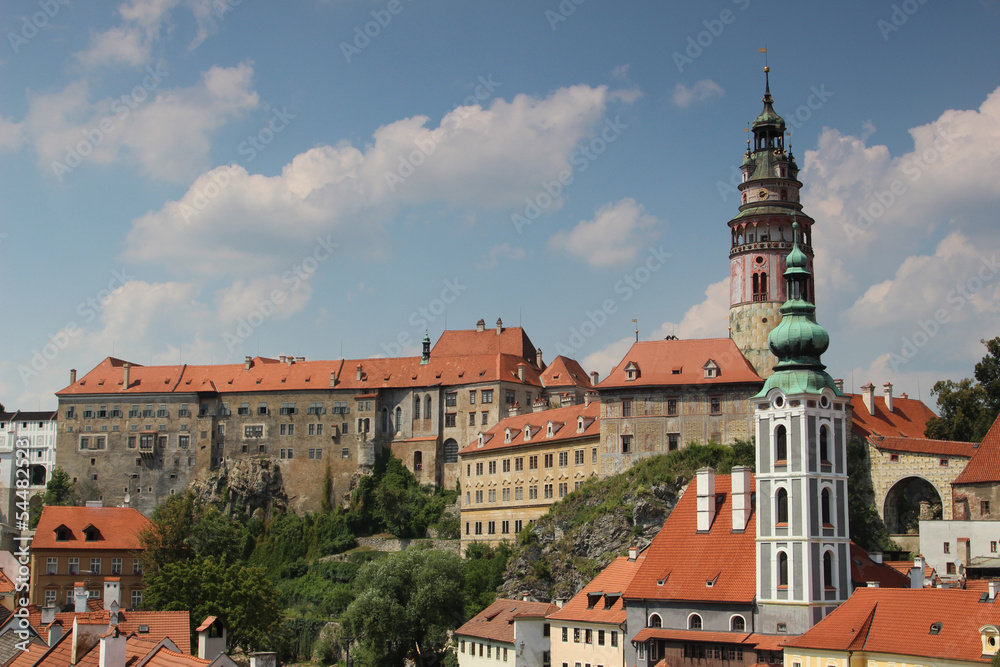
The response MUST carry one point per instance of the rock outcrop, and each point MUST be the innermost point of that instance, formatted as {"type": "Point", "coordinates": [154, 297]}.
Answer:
{"type": "Point", "coordinates": [246, 486]}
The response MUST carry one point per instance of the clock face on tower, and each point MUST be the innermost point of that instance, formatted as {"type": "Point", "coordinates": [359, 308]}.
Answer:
{"type": "Point", "coordinates": [762, 194]}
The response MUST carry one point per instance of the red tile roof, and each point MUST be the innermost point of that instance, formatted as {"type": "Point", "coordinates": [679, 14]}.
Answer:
{"type": "Point", "coordinates": [905, 566]}
{"type": "Point", "coordinates": [767, 642]}
{"type": "Point", "coordinates": [923, 446]}
{"type": "Point", "coordinates": [864, 569]}
{"type": "Point", "coordinates": [684, 559]}
{"type": "Point", "coordinates": [681, 362]}
{"type": "Point", "coordinates": [898, 622]}
{"type": "Point", "coordinates": [984, 466]}
{"type": "Point", "coordinates": [159, 624]}
{"type": "Point", "coordinates": [691, 636]}
{"type": "Point", "coordinates": [164, 657]}
{"type": "Point", "coordinates": [119, 527]}
{"type": "Point", "coordinates": [908, 417]}
{"type": "Point", "coordinates": [564, 419]}
{"type": "Point", "coordinates": [468, 342]}
{"type": "Point", "coordinates": [273, 375]}
{"type": "Point", "coordinates": [589, 607]}
{"type": "Point", "coordinates": [565, 372]}
{"type": "Point", "coordinates": [496, 622]}
{"type": "Point", "coordinates": [6, 585]}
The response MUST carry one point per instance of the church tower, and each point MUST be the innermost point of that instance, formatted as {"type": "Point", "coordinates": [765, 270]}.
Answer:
{"type": "Point", "coordinates": [762, 237]}
{"type": "Point", "coordinates": [801, 423]}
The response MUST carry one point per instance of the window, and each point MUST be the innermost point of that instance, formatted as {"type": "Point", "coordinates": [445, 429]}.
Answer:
{"type": "Point", "coordinates": [416, 410]}
{"type": "Point", "coordinates": [136, 598]}
{"type": "Point", "coordinates": [509, 398]}
{"type": "Point", "coordinates": [943, 463]}
{"type": "Point", "coordinates": [947, 547]}
{"type": "Point", "coordinates": [74, 565]}
{"type": "Point", "coordinates": [780, 445]}
{"type": "Point", "coordinates": [51, 565]}
{"type": "Point", "coordinates": [993, 546]}
{"type": "Point", "coordinates": [506, 495]}
{"type": "Point", "coordinates": [312, 429]}
{"type": "Point", "coordinates": [472, 419]}
{"type": "Point", "coordinates": [491, 527]}
{"type": "Point", "coordinates": [626, 444]}
{"type": "Point", "coordinates": [518, 525]}
{"type": "Point", "coordinates": [479, 496]}
{"type": "Point", "coordinates": [828, 570]}
{"type": "Point", "coordinates": [563, 489]}
{"type": "Point", "coordinates": [493, 467]}
{"type": "Point", "coordinates": [506, 465]}
{"type": "Point", "coordinates": [253, 431]}
{"type": "Point", "coordinates": [626, 407]}
{"type": "Point", "coordinates": [548, 460]}
{"type": "Point", "coordinates": [654, 621]}
{"type": "Point", "coordinates": [565, 634]}
{"type": "Point", "coordinates": [449, 419]}
{"type": "Point", "coordinates": [694, 622]}
{"type": "Point", "coordinates": [519, 493]}
{"type": "Point", "coordinates": [116, 566]}
{"type": "Point", "coordinates": [493, 495]}
{"type": "Point", "coordinates": [50, 598]}
{"type": "Point", "coordinates": [533, 462]}
{"type": "Point", "coordinates": [614, 638]}
{"type": "Point", "coordinates": [262, 408]}
{"type": "Point", "coordinates": [136, 566]}
{"type": "Point", "coordinates": [671, 407]}
{"type": "Point", "coordinates": [183, 441]}
{"type": "Point", "coordinates": [563, 459]}
{"type": "Point", "coordinates": [487, 396]}
{"type": "Point", "coordinates": [738, 624]}
{"type": "Point", "coordinates": [781, 507]}
{"type": "Point", "coordinates": [451, 399]}
{"type": "Point", "coordinates": [479, 469]}
{"type": "Point", "coordinates": [505, 525]}
{"type": "Point", "coordinates": [824, 444]}
{"type": "Point", "coordinates": [588, 636]}
{"type": "Point", "coordinates": [576, 635]}
{"type": "Point", "coordinates": [479, 525]}
{"type": "Point", "coordinates": [673, 441]}
{"type": "Point", "coordinates": [548, 490]}
{"type": "Point", "coordinates": [578, 457]}
{"type": "Point", "coordinates": [824, 501]}
{"type": "Point", "coordinates": [949, 568]}
{"type": "Point", "coordinates": [486, 418]}
{"type": "Point", "coordinates": [95, 565]}
{"type": "Point", "coordinates": [593, 455]}
{"type": "Point", "coordinates": [472, 397]}
{"type": "Point", "coordinates": [894, 458]}
{"type": "Point", "coordinates": [532, 493]}
{"type": "Point", "coordinates": [782, 569]}
{"type": "Point", "coordinates": [600, 637]}
{"type": "Point", "coordinates": [984, 507]}
{"type": "Point", "coordinates": [287, 409]}
{"type": "Point", "coordinates": [715, 403]}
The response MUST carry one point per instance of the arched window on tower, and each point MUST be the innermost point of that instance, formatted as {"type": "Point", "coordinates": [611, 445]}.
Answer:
{"type": "Point", "coordinates": [828, 569]}
{"type": "Point", "coordinates": [824, 444]}
{"type": "Point", "coordinates": [780, 445]}
{"type": "Point", "coordinates": [781, 507]}
{"type": "Point", "coordinates": [784, 194]}
{"type": "Point", "coordinates": [399, 419]}
{"type": "Point", "coordinates": [655, 621]}
{"type": "Point", "coordinates": [760, 286]}
{"type": "Point", "coordinates": [825, 502]}
{"type": "Point", "coordinates": [418, 461]}
{"type": "Point", "coordinates": [782, 569]}
{"type": "Point", "coordinates": [427, 407]}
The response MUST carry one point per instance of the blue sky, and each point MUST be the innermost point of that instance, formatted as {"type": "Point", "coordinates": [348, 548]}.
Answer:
{"type": "Point", "coordinates": [197, 180]}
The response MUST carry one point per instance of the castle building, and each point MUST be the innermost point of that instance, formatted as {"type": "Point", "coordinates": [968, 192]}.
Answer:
{"type": "Point", "coordinates": [34, 433]}
{"type": "Point", "coordinates": [762, 237]}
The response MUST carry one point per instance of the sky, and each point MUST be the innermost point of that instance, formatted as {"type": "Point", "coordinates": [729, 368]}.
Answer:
{"type": "Point", "coordinates": [193, 181]}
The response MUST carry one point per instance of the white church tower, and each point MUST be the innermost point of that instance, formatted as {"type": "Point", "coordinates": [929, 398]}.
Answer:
{"type": "Point", "coordinates": [801, 425]}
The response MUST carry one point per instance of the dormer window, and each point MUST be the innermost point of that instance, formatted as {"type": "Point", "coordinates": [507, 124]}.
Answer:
{"type": "Point", "coordinates": [548, 430]}
{"type": "Point", "coordinates": [91, 533]}
{"type": "Point", "coordinates": [579, 425]}
{"type": "Point", "coordinates": [935, 629]}
{"type": "Point", "coordinates": [711, 369]}
{"type": "Point", "coordinates": [506, 434]}
{"type": "Point", "coordinates": [63, 534]}
{"type": "Point", "coordinates": [631, 372]}
{"type": "Point", "coordinates": [481, 441]}
{"type": "Point", "coordinates": [527, 431]}
{"type": "Point", "coordinates": [594, 598]}
{"type": "Point", "coordinates": [990, 636]}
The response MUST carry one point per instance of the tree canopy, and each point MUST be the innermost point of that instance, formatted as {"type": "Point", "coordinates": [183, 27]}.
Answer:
{"type": "Point", "coordinates": [968, 407]}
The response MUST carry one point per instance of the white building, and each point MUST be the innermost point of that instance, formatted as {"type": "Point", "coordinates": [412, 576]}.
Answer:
{"type": "Point", "coordinates": [508, 632]}
{"type": "Point", "coordinates": [38, 432]}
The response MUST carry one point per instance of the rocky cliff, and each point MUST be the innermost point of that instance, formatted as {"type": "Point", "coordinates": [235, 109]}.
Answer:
{"type": "Point", "coordinates": [246, 486]}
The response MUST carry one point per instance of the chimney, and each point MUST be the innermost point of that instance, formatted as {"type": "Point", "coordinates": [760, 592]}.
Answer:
{"type": "Point", "coordinates": [525, 597]}
{"type": "Point", "coordinates": [964, 551]}
{"type": "Point", "coordinates": [633, 553]}
{"type": "Point", "coordinates": [48, 615]}
{"type": "Point", "coordinates": [247, 363]}
{"type": "Point", "coordinates": [839, 384]}
{"type": "Point", "coordinates": [920, 562]}
{"type": "Point", "coordinates": [282, 358]}
{"type": "Point", "coordinates": [263, 660]}
{"type": "Point", "coordinates": [887, 388]}
{"type": "Point", "coordinates": [358, 369]}
{"type": "Point", "coordinates": [113, 648]}
{"type": "Point", "coordinates": [112, 592]}
{"type": "Point", "coordinates": [705, 481]}
{"type": "Point", "coordinates": [79, 597]}
{"type": "Point", "coordinates": [868, 396]}
{"type": "Point", "coordinates": [559, 602]}
{"type": "Point", "coordinates": [499, 326]}
{"type": "Point", "coordinates": [55, 630]}
{"type": "Point", "coordinates": [520, 372]}
{"type": "Point", "coordinates": [333, 380]}
{"type": "Point", "coordinates": [481, 325]}
{"type": "Point", "coordinates": [514, 409]}
{"type": "Point", "coordinates": [538, 359]}
{"type": "Point", "coordinates": [589, 397]}
{"type": "Point", "coordinates": [741, 497]}
{"type": "Point", "coordinates": [917, 575]}
{"type": "Point", "coordinates": [211, 638]}
{"type": "Point", "coordinates": [539, 404]}
{"type": "Point", "coordinates": [993, 589]}
{"type": "Point", "coordinates": [72, 376]}
{"type": "Point", "coordinates": [876, 556]}
{"type": "Point", "coordinates": [300, 358]}
{"type": "Point", "coordinates": [904, 395]}
{"type": "Point", "coordinates": [872, 584]}
{"type": "Point", "coordinates": [125, 373]}
{"type": "Point", "coordinates": [594, 377]}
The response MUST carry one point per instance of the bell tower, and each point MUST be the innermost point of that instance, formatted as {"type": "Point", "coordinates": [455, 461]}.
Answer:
{"type": "Point", "coordinates": [762, 236]}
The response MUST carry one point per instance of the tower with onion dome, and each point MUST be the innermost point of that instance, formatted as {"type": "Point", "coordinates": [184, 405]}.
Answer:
{"type": "Point", "coordinates": [762, 236]}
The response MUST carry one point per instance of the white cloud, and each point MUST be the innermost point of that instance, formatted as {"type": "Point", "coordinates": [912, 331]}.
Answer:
{"type": "Point", "coordinates": [131, 42]}
{"type": "Point", "coordinates": [11, 135]}
{"type": "Point", "coordinates": [500, 252]}
{"type": "Point", "coordinates": [706, 89]}
{"type": "Point", "coordinates": [621, 72]}
{"type": "Point", "coordinates": [608, 357]}
{"type": "Point", "coordinates": [476, 157]}
{"type": "Point", "coordinates": [167, 131]}
{"type": "Point", "coordinates": [612, 238]}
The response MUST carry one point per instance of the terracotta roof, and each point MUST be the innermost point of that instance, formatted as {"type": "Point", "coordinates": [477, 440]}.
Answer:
{"type": "Point", "coordinates": [904, 567]}
{"type": "Point", "coordinates": [684, 559]}
{"type": "Point", "coordinates": [591, 604]}
{"type": "Point", "coordinates": [496, 622]}
{"type": "Point", "coordinates": [469, 342]}
{"type": "Point", "coordinates": [767, 642]}
{"type": "Point", "coordinates": [136, 648]}
{"type": "Point", "coordinates": [273, 375]}
{"type": "Point", "coordinates": [984, 466]}
{"type": "Point", "coordinates": [206, 624]}
{"type": "Point", "coordinates": [565, 372]}
{"type": "Point", "coordinates": [898, 622]}
{"type": "Point", "coordinates": [563, 418]}
{"type": "Point", "coordinates": [119, 527]}
{"type": "Point", "coordinates": [923, 446]}
{"type": "Point", "coordinates": [864, 569]}
{"type": "Point", "coordinates": [681, 362]}
{"type": "Point", "coordinates": [908, 417]}
{"type": "Point", "coordinates": [164, 657]}
{"type": "Point", "coordinates": [158, 624]}
{"type": "Point", "coordinates": [6, 585]}
{"type": "Point", "coordinates": [690, 636]}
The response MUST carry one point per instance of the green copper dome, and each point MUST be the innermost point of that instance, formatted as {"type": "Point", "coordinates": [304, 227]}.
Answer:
{"type": "Point", "coordinates": [798, 341]}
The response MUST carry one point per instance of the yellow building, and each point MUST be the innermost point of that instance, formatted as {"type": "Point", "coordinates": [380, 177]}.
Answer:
{"type": "Point", "coordinates": [512, 473]}
{"type": "Point", "coordinates": [900, 627]}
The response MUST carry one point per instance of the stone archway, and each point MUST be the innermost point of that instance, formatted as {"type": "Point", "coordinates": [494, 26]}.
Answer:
{"type": "Point", "coordinates": [909, 500]}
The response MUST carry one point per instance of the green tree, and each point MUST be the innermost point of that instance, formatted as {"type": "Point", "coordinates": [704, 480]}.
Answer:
{"type": "Point", "coordinates": [405, 607]}
{"type": "Point", "coordinates": [215, 534]}
{"type": "Point", "coordinates": [969, 407]}
{"type": "Point", "coordinates": [484, 570]}
{"type": "Point", "coordinates": [59, 491]}
{"type": "Point", "coordinates": [241, 596]}
{"type": "Point", "coordinates": [165, 541]}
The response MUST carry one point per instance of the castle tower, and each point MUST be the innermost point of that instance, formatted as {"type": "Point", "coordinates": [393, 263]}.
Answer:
{"type": "Point", "coordinates": [801, 424]}
{"type": "Point", "coordinates": [762, 237]}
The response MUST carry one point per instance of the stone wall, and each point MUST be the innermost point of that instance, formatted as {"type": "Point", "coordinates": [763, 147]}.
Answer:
{"type": "Point", "coordinates": [749, 326]}
{"type": "Point", "coordinates": [394, 544]}
{"type": "Point", "coordinates": [890, 467]}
